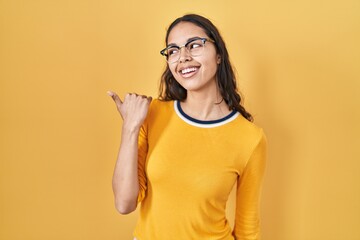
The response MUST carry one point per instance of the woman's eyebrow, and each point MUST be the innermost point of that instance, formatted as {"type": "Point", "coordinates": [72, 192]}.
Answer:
{"type": "Point", "coordinates": [171, 45]}
{"type": "Point", "coordinates": [193, 38]}
{"type": "Point", "coordinates": [189, 40]}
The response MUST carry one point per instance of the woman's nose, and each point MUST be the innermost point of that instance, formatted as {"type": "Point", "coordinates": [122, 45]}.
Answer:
{"type": "Point", "coordinates": [184, 55]}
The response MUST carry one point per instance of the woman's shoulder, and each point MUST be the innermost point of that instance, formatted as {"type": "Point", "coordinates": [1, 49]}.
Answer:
{"type": "Point", "coordinates": [158, 104]}
{"type": "Point", "coordinates": [160, 108]}
{"type": "Point", "coordinates": [249, 129]}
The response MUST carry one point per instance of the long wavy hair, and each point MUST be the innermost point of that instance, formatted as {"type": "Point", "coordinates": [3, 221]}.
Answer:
{"type": "Point", "coordinates": [170, 89]}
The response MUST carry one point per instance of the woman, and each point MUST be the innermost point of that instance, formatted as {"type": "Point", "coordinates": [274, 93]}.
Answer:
{"type": "Point", "coordinates": [181, 154]}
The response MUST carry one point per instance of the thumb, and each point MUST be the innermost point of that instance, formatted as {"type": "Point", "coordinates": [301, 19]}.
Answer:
{"type": "Point", "coordinates": [116, 98]}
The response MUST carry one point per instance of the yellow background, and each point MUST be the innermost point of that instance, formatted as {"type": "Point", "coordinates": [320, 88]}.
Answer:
{"type": "Point", "coordinates": [298, 64]}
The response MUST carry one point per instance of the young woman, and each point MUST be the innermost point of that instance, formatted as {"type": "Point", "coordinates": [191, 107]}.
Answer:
{"type": "Point", "coordinates": [181, 154]}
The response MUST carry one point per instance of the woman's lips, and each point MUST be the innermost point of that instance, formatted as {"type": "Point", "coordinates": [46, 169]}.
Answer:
{"type": "Point", "coordinates": [188, 72]}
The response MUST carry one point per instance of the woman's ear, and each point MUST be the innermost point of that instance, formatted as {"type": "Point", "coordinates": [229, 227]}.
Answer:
{"type": "Point", "coordinates": [218, 59]}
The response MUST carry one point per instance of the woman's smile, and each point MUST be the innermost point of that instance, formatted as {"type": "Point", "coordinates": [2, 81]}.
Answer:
{"type": "Point", "coordinates": [187, 72]}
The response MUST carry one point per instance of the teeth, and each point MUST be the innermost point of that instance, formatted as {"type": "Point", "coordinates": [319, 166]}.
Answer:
{"type": "Point", "coordinates": [187, 70]}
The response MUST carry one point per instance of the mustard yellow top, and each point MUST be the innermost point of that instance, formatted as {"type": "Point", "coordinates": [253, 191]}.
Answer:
{"type": "Point", "coordinates": [187, 169]}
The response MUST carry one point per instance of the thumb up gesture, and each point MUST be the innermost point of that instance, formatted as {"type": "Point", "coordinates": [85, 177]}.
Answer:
{"type": "Point", "coordinates": [133, 109]}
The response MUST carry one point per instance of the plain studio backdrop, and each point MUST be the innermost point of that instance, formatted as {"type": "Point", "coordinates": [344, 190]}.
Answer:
{"type": "Point", "coordinates": [298, 66]}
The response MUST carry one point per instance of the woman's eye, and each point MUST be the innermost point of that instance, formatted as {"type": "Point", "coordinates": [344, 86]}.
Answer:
{"type": "Point", "coordinates": [195, 45]}
{"type": "Point", "coordinates": [172, 51]}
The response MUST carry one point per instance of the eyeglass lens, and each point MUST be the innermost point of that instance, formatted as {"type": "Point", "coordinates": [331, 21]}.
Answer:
{"type": "Point", "coordinates": [194, 47]}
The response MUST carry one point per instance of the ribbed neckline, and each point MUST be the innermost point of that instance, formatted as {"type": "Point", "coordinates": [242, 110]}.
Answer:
{"type": "Point", "coordinates": [203, 123]}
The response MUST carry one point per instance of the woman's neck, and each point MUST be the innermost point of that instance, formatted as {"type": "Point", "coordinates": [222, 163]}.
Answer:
{"type": "Point", "coordinates": [205, 107]}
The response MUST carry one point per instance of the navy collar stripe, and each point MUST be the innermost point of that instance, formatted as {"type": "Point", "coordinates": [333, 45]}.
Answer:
{"type": "Point", "coordinates": [203, 123]}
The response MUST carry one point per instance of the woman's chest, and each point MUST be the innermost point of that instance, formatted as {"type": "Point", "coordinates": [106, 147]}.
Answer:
{"type": "Point", "coordinates": [199, 163]}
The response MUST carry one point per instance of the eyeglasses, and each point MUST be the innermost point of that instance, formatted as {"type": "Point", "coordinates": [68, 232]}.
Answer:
{"type": "Point", "coordinates": [194, 46]}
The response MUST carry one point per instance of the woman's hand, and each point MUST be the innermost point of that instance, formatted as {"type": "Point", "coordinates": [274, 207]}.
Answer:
{"type": "Point", "coordinates": [133, 109]}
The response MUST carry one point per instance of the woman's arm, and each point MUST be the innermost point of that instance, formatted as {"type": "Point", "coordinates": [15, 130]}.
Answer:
{"type": "Point", "coordinates": [125, 179]}
{"type": "Point", "coordinates": [247, 219]}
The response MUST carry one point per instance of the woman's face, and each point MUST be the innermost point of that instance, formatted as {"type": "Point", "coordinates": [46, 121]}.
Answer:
{"type": "Point", "coordinates": [194, 73]}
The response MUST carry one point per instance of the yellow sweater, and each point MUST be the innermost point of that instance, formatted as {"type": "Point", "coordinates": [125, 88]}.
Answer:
{"type": "Point", "coordinates": [187, 169]}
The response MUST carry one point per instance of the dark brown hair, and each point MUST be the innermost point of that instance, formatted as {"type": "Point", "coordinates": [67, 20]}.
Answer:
{"type": "Point", "coordinates": [170, 89]}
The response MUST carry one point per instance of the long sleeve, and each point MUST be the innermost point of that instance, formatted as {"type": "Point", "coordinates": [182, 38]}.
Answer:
{"type": "Point", "coordinates": [142, 153]}
{"type": "Point", "coordinates": [247, 220]}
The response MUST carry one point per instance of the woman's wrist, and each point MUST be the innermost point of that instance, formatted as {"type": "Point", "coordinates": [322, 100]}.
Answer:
{"type": "Point", "coordinates": [130, 130]}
